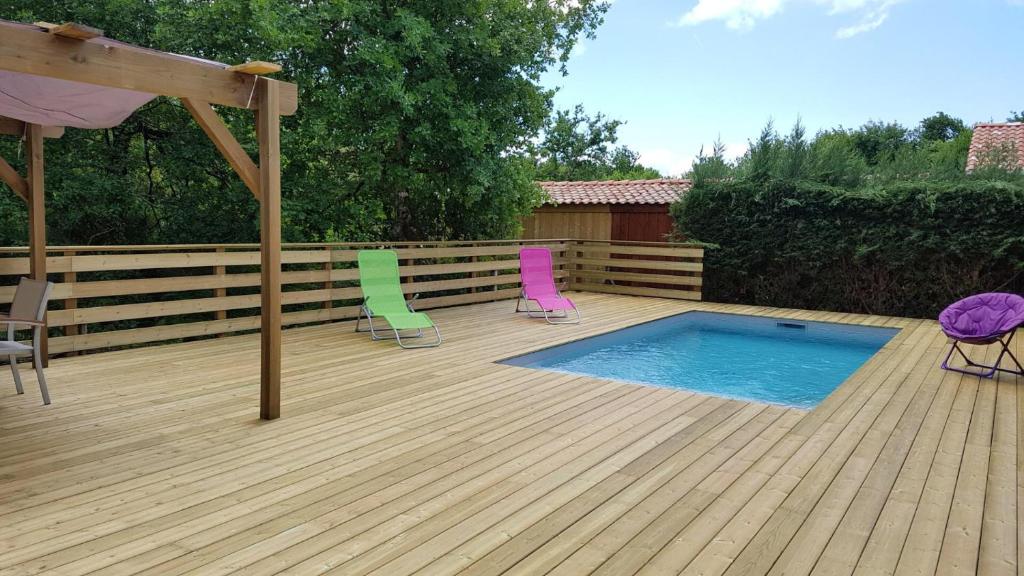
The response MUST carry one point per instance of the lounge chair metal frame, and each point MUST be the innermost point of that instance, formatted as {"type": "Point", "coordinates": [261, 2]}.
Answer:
{"type": "Point", "coordinates": [551, 318]}
{"type": "Point", "coordinates": [984, 370]}
{"type": "Point", "coordinates": [536, 271]}
{"type": "Point", "coordinates": [34, 294]}
{"type": "Point", "coordinates": [397, 334]}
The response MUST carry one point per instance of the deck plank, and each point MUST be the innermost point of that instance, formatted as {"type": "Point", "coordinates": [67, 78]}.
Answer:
{"type": "Point", "coordinates": [151, 461]}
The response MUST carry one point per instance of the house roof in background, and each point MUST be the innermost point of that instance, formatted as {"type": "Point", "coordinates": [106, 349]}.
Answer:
{"type": "Point", "coordinates": [991, 136]}
{"type": "Point", "coordinates": [662, 191]}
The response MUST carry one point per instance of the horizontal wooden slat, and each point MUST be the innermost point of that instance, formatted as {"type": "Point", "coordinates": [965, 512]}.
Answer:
{"type": "Point", "coordinates": [455, 284]}
{"type": "Point", "coordinates": [638, 291]}
{"type": "Point", "coordinates": [19, 266]}
{"type": "Point", "coordinates": [112, 262]}
{"type": "Point", "coordinates": [689, 252]}
{"type": "Point", "coordinates": [180, 307]}
{"type": "Point", "coordinates": [638, 277]}
{"type": "Point", "coordinates": [98, 314]}
{"type": "Point", "coordinates": [116, 262]}
{"type": "Point", "coordinates": [97, 340]}
{"type": "Point", "coordinates": [472, 251]}
{"type": "Point", "coordinates": [486, 266]}
{"type": "Point", "coordinates": [287, 246]}
{"type": "Point", "coordinates": [460, 299]}
{"type": "Point", "coordinates": [107, 288]}
{"type": "Point", "coordinates": [645, 264]}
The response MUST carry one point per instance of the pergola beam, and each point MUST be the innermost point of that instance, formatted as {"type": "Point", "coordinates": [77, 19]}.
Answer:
{"type": "Point", "coordinates": [226, 143]}
{"type": "Point", "coordinates": [71, 30]}
{"type": "Point", "coordinates": [11, 177]}
{"type": "Point", "coordinates": [256, 67]}
{"type": "Point", "coordinates": [118, 65]}
{"type": "Point", "coordinates": [12, 127]}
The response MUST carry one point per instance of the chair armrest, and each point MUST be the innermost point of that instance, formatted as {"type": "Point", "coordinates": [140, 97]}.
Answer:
{"type": "Point", "coordinates": [22, 321]}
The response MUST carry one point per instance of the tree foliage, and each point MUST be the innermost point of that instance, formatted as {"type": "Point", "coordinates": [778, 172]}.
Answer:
{"type": "Point", "coordinates": [940, 127]}
{"type": "Point", "coordinates": [413, 120]}
{"type": "Point", "coordinates": [874, 154]}
{"type": "Point", "coordinates": [577, 146]}
{"type": "Point", "coordinates": [905, 248]}
{"type": "Point", "coordinates": [881, 219]}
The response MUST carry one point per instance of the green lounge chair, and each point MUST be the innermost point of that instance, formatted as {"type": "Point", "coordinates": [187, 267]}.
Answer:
{"type": "Point", "coordinates": [383, 298]}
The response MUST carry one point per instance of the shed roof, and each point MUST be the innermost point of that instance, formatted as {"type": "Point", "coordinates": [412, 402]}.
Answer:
{"type": "Point", "coordinates": [661, 191]}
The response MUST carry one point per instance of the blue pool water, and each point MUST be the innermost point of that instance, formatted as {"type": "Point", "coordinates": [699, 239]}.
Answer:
{"type": "Point", "coordinates": [789, 362]}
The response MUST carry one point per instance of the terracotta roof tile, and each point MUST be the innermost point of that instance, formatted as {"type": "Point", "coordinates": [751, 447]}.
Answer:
{"type": "Point", "coordinates": [990, 136]}
{"type": "Point", "coordinates": [664, 191]}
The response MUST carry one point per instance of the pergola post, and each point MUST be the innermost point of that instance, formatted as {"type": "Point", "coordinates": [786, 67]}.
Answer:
{"type": "Point", "coordinates": [36, 214]}
{"type": "Point", "coordinates": [74, 53]}
{"type": "Point", "coordinates": [268, 133]}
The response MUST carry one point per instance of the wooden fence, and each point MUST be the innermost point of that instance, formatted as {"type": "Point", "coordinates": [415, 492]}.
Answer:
{"type": "Point", "coordinates": [112, 296]}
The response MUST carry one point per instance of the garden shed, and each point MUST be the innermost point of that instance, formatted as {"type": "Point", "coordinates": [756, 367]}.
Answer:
{"type": "Point", "coordinates": [624, 210]}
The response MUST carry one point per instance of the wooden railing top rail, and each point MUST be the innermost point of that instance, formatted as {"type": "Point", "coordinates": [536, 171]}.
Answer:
{"type": "Point", "coordinates": [286, 246]}
{"type": "Point", "coordinates": [340, 245]}
{"type": "Point", "coordinates": [639, 243]}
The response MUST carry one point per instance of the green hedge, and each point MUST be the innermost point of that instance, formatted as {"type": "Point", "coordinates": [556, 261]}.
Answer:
{"type": "Point", "coordinates": [905, 250]}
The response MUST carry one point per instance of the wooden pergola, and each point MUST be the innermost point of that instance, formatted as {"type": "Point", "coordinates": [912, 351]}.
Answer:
{"type": "Point", "coordinates": [80, 54]}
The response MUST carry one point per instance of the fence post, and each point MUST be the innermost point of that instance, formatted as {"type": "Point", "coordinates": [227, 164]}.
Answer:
{"type": "Point", "coordinates": [70, 303]}
{"type": "Point", "coordinates": [473, 259]}
{"type": "Point", "coordinates": [571, 265]}
{"type": "Point", "coordinates": [221, 272]}
{"type": "Point", "coordinates": [404, 263]}
{"type": "Point", "coordinates": [328, 283]}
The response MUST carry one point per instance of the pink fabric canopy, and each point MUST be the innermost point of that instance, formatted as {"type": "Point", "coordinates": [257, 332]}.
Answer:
{"type": "Point", "coordinates": [53, 102]}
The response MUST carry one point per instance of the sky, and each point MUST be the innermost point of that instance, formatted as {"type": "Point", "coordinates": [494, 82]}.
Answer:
{"type": "Point", "coordinates": [684, 73]}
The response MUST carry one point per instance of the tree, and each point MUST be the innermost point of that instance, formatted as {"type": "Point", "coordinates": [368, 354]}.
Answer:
{"type": "Point", "coordinates": [761, 162]}
{"type": "Point", "coordinates": [836, 161]}
{"type": "Point", "coordinates": [625, 165]}
{"type": "Point", "coordinates": [412, 122]}
{"type": "Point", "coordinates": [711, 167]}
{"type": "Point", "coordinates": [437, 97]}
{"type": "Point", "coordinates": [940, 127]}
{"type": "Point", "coordinates": [1016, 117]}
{"type": "Point", "coordinates": [577, 146]}
{"type": "Point", "coordinates": [795, 153]}
{"type": "Point", "coordinates": [879, 141]}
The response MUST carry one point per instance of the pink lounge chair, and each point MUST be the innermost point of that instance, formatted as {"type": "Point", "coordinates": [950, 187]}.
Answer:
{"type": "Point", "coordinates": [539, 287]}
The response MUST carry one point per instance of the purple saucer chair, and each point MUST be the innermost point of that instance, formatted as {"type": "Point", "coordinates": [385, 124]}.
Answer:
{"type": "Point", "coordinates": [983, 319]}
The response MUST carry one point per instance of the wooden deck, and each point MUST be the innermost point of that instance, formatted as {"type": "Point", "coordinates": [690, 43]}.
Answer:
{"type": "Point", "coordinates": [152, 461]}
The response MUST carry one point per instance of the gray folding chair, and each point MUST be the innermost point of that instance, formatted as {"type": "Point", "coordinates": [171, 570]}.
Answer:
{"type": "Point", "coordinates": [27, 309]}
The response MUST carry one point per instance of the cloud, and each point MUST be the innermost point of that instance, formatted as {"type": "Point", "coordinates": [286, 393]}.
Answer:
{"type": "Point", "coordinates": [744, 14]}
{"type": "Point", "coordinates": [874, 14]}
{"type": "Point", "coordinates": [737, 14]}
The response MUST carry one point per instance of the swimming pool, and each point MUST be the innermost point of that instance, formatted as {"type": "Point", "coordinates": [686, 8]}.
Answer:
{"type": "Point", "coordinates": [773, 360]}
